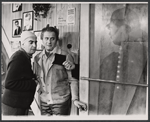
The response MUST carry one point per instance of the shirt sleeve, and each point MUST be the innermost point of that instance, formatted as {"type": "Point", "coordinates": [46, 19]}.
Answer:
{"type": "Point", "coordinates": [74, 83]}
{"type": "Point", "coordinates": [69, 58]}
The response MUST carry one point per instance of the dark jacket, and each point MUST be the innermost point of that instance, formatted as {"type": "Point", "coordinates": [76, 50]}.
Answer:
{"type": "Point", "coordinates": [124, 99]}
{"type": "Point", "coordinates": [75, 72]}
{"type": "Point", "coordinates": [17, 31]}
{"type": "Point", "coordinates": [19, 84]}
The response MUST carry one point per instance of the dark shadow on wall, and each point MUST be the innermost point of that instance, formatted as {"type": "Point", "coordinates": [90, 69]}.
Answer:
{"type": "Point", "coordinates": [73, 39]}
{"type": "Point", "coordinates": [69, 38]}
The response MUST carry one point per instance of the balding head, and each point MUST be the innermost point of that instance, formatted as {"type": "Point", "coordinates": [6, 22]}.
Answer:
{"type": "Point", "coordinates": [25, 35]}
{"type": "Point", "coordinates": [28, 42]}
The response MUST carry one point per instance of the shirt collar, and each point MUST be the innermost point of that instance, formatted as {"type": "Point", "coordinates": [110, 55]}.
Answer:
{"type": "Point", "coordinates": [55, 50]}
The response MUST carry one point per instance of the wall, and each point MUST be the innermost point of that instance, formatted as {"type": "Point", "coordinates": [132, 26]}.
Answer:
{"type": "Point", "coordinates": [69, 33]}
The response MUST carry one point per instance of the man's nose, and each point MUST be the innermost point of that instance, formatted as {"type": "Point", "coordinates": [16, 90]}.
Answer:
{"type": "Point", "coordinates": [49, 41]}
{"type": "Point", "coordinates": [34, 44]}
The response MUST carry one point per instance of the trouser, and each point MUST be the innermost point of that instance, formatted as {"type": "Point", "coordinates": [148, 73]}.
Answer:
{"type": "Point", "coordinates": [7, 110]}
{"type": "Point", "coordinates": [56, 109]}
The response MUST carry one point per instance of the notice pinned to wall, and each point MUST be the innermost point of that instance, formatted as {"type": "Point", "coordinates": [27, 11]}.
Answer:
{"type": "Point", "coordinates": [61, 20]}
{"type": "Point", "coordinates": [71, 16]}
{"type": "Point", "coordinates": [62, 15]}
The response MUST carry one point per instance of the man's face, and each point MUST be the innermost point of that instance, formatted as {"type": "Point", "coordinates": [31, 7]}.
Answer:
{"type": "Point", "coordinates": [112, 30]}
{"type": "Point", "coordinates": [17, 5]}
{"type": "Point", "coordinates": [49, 40]}
{"type": "Point", "coordinates": [30, 45]}
{"type": "Point", "coordinates": [115, 34]}
{"type": "Point", "coordinates": [17, 24]}
{"type": "Point", "coordinates": [28, 17]}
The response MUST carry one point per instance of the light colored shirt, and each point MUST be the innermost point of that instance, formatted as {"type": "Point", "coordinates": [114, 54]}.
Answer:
{"type": "Point", "coordinates": [47, 61]}
{"type": "Point", "coordinates": [56, 84]}
{"type": "Point", "coordinates": [46, 65]}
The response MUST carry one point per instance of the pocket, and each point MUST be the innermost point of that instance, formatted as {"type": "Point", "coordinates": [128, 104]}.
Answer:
{"type": "Point", "coordinates": [61, 74]}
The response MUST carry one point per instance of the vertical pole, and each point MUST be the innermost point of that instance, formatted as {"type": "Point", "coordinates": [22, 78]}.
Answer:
{"type": "Point", "coordinates": [84, 55]}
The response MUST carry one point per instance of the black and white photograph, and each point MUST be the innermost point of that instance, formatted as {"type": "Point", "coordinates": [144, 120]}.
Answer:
{"type": "Point", "coordinates": [16, 27]}
{"type": "Point", "coordinates": [75, 61]}
{"type": "Point", "coordinates": [28, 21]}
{"type": "Point", "coordinates": [16, 7]}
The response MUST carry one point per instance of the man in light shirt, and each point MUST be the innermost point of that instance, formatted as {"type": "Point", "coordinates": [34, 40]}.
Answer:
{"type": "Point", "coordinates": [56, 86]}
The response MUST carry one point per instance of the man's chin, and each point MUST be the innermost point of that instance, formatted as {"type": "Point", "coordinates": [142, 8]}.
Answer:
{"type": "Point", "coordinates": [49, 49]}
{"type": "Point", "coordinates": [33, 52]}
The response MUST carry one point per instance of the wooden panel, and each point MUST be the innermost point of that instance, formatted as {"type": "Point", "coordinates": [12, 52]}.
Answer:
{"type": "Point", "coordinates": [6, 43]}
{"type": "Point", "coordinates": [138, 103]}
{"type": "Point", "coordinates": [101, 101]}
{"type": "Point", "coordinates": [7, 19]}
{"type": "Point", "coordinates": [94, 61]}
{"type": "Point", "coordinates": [84, 54]}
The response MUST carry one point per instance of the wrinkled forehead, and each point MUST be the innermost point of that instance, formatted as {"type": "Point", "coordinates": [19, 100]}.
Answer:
{"type": "Point", "coordinates": [50, 33]}
{"type": "Point", "coordinates": [31, 39]}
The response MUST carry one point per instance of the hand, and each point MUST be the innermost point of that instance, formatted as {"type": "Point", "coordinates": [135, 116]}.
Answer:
{"type": "Point", "coordinates": [69, 65]}
{"type": "Point", "coordinates": [44, 105]}
{"type": "Point", "coordinates": [82, 106]}
{"type": "Point", "coordinates": [45, 108]}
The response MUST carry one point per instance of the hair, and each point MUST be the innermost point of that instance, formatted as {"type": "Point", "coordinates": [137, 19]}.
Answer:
{"type": "Point", "coordinates": [69, 46]}
{"type": "Point", "coordinates": [130, 18]}
{"type": "Point", "coordinates": [50, 29]}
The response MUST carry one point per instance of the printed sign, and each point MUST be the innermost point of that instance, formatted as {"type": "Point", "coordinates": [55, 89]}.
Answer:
{"type": "Point", "coordinates": [71, 16]}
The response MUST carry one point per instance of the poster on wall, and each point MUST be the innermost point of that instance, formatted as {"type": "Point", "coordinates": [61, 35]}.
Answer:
{"type": "Point", "coordinates": [39, 41]}
{"type": "Point", "coordinates": [62, 15]}
{"type": "Point", "coordinates": [71, 16]}
{"type": "Point", "coordinates": [28, 21]}
{"type": "Point", "coordinates": [16, 7]}
{"type": "Point", "coordinates": [16, 27]}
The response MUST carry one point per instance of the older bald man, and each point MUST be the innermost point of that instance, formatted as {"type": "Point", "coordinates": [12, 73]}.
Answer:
{"type": "Point", "coordinates": [20, 83]}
